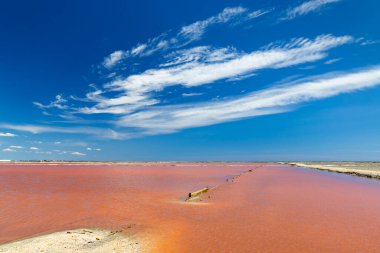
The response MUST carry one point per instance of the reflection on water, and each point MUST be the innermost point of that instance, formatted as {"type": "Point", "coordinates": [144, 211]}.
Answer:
{"type": "Point", "coordinates": [274, 208]}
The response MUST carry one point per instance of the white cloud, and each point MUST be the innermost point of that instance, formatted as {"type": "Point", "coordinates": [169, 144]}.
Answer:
{"type": "Point", "coordinates": [201, 65]}
{"type": "Point", "coordinates": [7, 135]}
{"type": "Point", "coordinates": [16, 147]}
{"type": "Point", "coordinates": [77, 153]}
{"type": "Point", "coordinates": [66, 152]}
{"type": "Point", "coordinates": [57, 142]}
{"type": "Point", "coordinates": [98, 132]}
{"type": "Point", "coordinates": [192, 67]}
{"type": "Point", "coordinates": [93, 149]}
{"type": "Point", "coordinates": [191, 94]}
{"type": "Point", "coordinates": [114, 58]}
{"type": "Point", "coordinates": [59, 103]}
{"type": "Point", "coordinates": [205, 54]}
{"type": "Point", "coordinates": [257, 13]}
{"type": "Point", "coordinates": [138, 49]}
{"type": "Point", "coordinates": [185, 35]}
{"type": "Point", "coordinates": [331, 61]}
{"type": "Point", "coordinates": [167, 119]}
{"type": "Point", "coordinates": [134, 99]}
{"type": "Point", "coordinates": [365, 42]}
{"type": "Point", "coordinates": [36, 129]}
{"type": "Point", "coordinates": [193, 74]}
{"type": "Point", "coordinates": [9, 150]}
{"type": "Point", "coordinates": [118, 104]}
{"type": "Point", "coordinates": [277, 99]}
{"type": "Point", "coordinates": [34, 148]}
{"type": "Point", "coordinates": [195, 30]}
{"type": "Point", "coordinates": [307, 7]}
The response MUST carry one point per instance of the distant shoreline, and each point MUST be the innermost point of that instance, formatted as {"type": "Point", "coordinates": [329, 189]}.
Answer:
{"type": "Point", "coordinates": [171, 163]}
{"type": "Point", "coordinates": [361, 169]}
{"type": "Point", "coordinates": [181, 162]}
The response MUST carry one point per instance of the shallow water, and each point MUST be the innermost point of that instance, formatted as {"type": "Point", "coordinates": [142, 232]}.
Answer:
{"type": "Point", "coordinates": [273, 209]}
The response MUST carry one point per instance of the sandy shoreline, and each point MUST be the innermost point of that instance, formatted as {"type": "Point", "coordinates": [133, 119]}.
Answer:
{"type": "Point", "coordinates": [349, 168]}
{"type": "Point", "coordinates": [78, 240]}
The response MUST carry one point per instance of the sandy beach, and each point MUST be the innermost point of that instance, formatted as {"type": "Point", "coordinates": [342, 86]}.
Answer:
{"type": "Point", "coordinates": [248, 207]}
{"type": "Point", "coordinates": [78, 240]}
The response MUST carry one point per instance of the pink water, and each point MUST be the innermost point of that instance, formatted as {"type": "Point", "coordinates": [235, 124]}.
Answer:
{"type": "Point", "coordinates": [272, 209]}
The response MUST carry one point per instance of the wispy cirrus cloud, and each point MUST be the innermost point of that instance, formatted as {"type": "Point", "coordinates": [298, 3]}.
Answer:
{"type": "Point", "coordinates": [114, 58]}
{"type": "Point", "coordinates": [204, 65]}
{"type": "Point", "coordinates": [135, 100]}
{"type": "Point", "coordinates": [192, 94]}
{"type": "Point", "coordinates": [102, 133]}
{"type": "Point", "coordinates": [258, 13]}
{"type": "Point", "coordinates": [59, 103]}
{"type": "Point", "coordinates": [133, 97]}
{"type": "Point", "coordinates": [205, 54]}
{"type": "Point", "coordinates": [194, 66]}
{"type": "Point", "coordinates": [332, 61]}
{"type": "Point", "coordinates": [168, 119]}
{"type": "Point", "coordinates": [273, 100]}
{"type": "Point", "coordinates": [307, 7]}
{"type": "Point", "coordinates": [184, 36]}
{"type": "Point", "coordinates": [196, 73]}
{"type": "Point", "coordinates": [196, 30]}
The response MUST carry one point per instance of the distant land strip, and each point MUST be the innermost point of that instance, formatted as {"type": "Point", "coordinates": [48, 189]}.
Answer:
{"type": "Point", "coordinates": [362, 169]}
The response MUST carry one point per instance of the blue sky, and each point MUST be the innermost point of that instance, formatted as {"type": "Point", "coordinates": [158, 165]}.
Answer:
{"type": "Point", "coordinates": [195, 80]}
